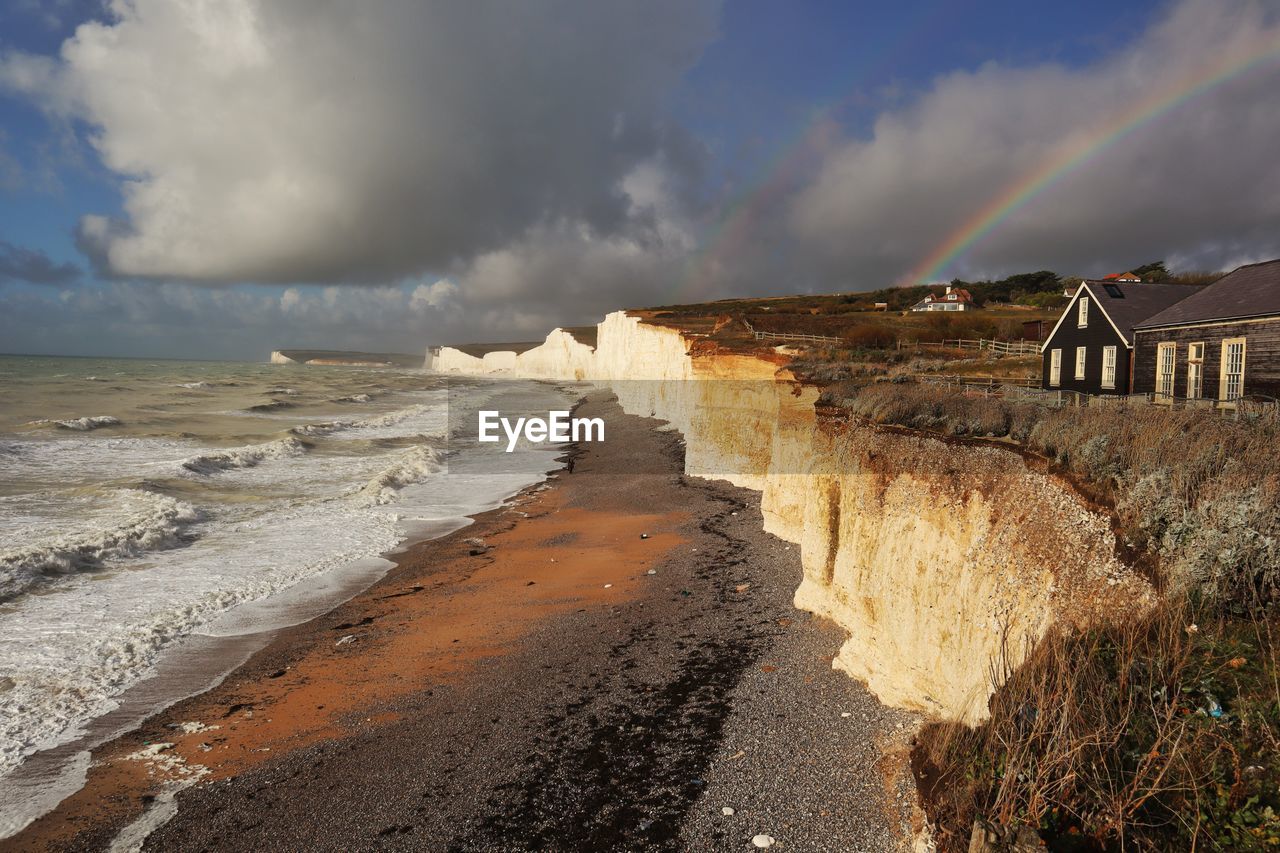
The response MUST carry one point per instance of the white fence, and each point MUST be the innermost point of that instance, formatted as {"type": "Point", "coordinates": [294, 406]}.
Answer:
{"type": "Point", "coordinates": [787, 336]}
{"type": "Point", "coordinates": [999, 347]}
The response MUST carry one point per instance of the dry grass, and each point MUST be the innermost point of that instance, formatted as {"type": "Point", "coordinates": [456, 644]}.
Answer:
{"type": "Point", "coordinates": [1199, 491]}
{"type": "Point", "coordinates": [1145, 733]}
{"type": "Point", "coordinates": [1152, 734]}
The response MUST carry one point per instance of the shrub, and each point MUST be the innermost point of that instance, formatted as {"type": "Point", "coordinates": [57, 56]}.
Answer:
{"type": "Point", "coordinates": [1152, 734]}
{"type": "Point", "coordinates": [1200, 491]}
{"type": "Point", "coordinates": [870, 336]}
{"type": "Point", "coordinates": [1160, 732]}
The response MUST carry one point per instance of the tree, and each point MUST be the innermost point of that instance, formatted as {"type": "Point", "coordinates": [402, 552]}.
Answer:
{"type": "Point", "coordinates": [1154, 271]}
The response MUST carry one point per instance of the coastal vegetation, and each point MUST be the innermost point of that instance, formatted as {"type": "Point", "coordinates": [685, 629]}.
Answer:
{"type": "Point", "coordinates": [1151, 731]}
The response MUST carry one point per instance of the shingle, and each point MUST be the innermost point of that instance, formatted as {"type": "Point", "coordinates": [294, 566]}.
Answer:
{"type": "Point", "coordinates": [1130, 304]}
{"type": "Point", "coordinates": [1248, 291]}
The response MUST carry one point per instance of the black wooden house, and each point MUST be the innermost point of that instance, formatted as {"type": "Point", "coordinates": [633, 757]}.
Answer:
{"type": "Point", "coordinates": [1090, 349]}
{"type": "Point", "coordinates": [1220, 344]}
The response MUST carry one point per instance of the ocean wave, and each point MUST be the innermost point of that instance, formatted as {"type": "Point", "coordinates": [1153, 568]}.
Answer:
{"type": "Point", "coordinates": [412, 466]}
{"type": "Point", "coordinates": [375, 424]}
{"type": "Point", "coordinates": [355, 398]}
{"type": "Point", "coordinates": [393, 418]}
{"type": "Point", "coordinates": [326, 428]}
{"type": "Point", "coordinates": [194, 385]}
{"type": "Point", "coordinates": [146, 522]}
{"type": "Point", "coordinates": [86, 424]}
{"type": "Point", "coordinates": [243, 457]}
{"type": "Point", "coordinates": [271, 406]}
{"type": "Point", "coordinates": [288, 392]}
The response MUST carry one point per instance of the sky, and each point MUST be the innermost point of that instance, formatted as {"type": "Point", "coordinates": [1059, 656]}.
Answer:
{"type": "Point", "coordinates": [220, 178]}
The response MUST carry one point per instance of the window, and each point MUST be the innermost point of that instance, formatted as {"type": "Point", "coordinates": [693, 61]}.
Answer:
{"type": "Point", "coordinates": [1080, 351]}
{"type": "Point", "coordinates": [1055, 367]}
{"type": "Point", "coordinates": [1082, 315]}
{"type": "Point", "coordinates": [1108, 367]}
{"type": "Point", "coordinates": [1166, 355]}
{"type": "Point", "coordinates": [1195, 371]}
{"type": "Point", "coordinates": [1232, 385]}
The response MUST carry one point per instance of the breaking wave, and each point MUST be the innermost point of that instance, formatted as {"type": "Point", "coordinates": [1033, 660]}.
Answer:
{"type": "Point", "coordinates": [327, 428]}
{"type": "Point", "coordinates": [147, 522]}
{"type": "Point", "coordinates": [243, 457]}
{"type": "Point", "coordinates": [86, 424]}
{"type": "Point", "coordinates": [355, 398]}
{"type": "Point", "coordinates": [271, 406]}
{"type": "Point", "coordinates": [417, 419]}
{"type": "Point", "coordinates": [206, 383]}
{"type": "Point", "coordinates": [412, 466]}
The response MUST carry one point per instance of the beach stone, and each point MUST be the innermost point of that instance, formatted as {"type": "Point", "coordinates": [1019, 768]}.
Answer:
{"type": "Point", "coordinates": [762, 840]}
{"type": "Point", "coordinates": [727, 811]}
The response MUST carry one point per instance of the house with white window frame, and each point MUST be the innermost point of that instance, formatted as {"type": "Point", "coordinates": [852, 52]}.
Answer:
{"type": "Point", "coordinates": [1090, 348]}
{"type": "Point", "coordinates": [1218, 345]}
{"type": "Point", "coordinates": [952, 299]}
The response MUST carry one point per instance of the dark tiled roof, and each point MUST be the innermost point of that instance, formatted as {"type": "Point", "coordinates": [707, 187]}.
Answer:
{"type": "Point", "coordinates": [1248, 291]}
{"type": "Point", "coordinates": [1128, 304]}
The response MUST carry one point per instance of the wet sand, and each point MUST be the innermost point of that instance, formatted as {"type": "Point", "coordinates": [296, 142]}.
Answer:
{"type": "Point", "coordinates": [607, 663]}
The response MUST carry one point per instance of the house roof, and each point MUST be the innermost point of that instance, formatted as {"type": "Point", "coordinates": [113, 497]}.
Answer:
{"type": "Point", "coordinates": [960, 294]}
{"type": "Point", "coordinates": [1126, 305]}
{"type": "Point", "coordinates": [1248, 291]}
{"type": "Point", "coordinates": [1121, 276]}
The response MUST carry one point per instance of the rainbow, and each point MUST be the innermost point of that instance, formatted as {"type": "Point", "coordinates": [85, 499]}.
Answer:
{"type": "Point", "coordinates": [1065, 159]}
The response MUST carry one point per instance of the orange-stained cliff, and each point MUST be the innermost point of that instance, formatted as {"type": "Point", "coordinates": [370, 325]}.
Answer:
{"type": "Point", "coordinates": [944, 562]}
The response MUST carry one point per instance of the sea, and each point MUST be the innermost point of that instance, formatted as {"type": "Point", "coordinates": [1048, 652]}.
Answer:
{"type": "Point", "coordinates": [159, 519]}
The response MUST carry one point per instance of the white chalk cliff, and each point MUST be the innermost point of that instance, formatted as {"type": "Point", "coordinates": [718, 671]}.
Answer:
{"type": "Point", "coordinates": [943, 560]}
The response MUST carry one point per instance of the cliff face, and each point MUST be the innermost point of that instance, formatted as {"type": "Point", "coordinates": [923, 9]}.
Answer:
{"type": "Point", "coordinates": [940, 559]}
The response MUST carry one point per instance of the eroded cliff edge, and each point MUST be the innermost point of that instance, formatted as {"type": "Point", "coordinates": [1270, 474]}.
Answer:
{"type": "Point", "coordinates": [946, 562]}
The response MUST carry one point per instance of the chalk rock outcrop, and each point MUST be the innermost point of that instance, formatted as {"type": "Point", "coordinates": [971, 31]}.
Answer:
{"type": "Point", "coordinates": [944, 561]}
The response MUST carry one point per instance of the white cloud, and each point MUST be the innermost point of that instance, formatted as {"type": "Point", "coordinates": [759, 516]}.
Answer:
{"type": "Point", "coordinates": [289, 141]}
{"type": "Point", "coordinates": [290, 299]}
{"type": "Point", "coordinates": [1199, 183]}
{"type": "Point", "coordinates": [438, 295]}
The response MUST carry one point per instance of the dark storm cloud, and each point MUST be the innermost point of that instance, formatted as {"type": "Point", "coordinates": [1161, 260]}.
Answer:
{"type": "Point", "coordinates": [20, 264]}
{"type": "Point", "coordinates": [296, 142]}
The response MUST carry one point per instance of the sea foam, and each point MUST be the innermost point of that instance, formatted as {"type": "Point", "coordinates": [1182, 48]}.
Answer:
{"type": "Point", "coordinates": [145, 522]}
{"type": "Point", "coordinates": [409, 467]}
{"type": "Point", "coordinates": [86, 424]}
{"type": "Point", "coordinates": [243, 457]}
